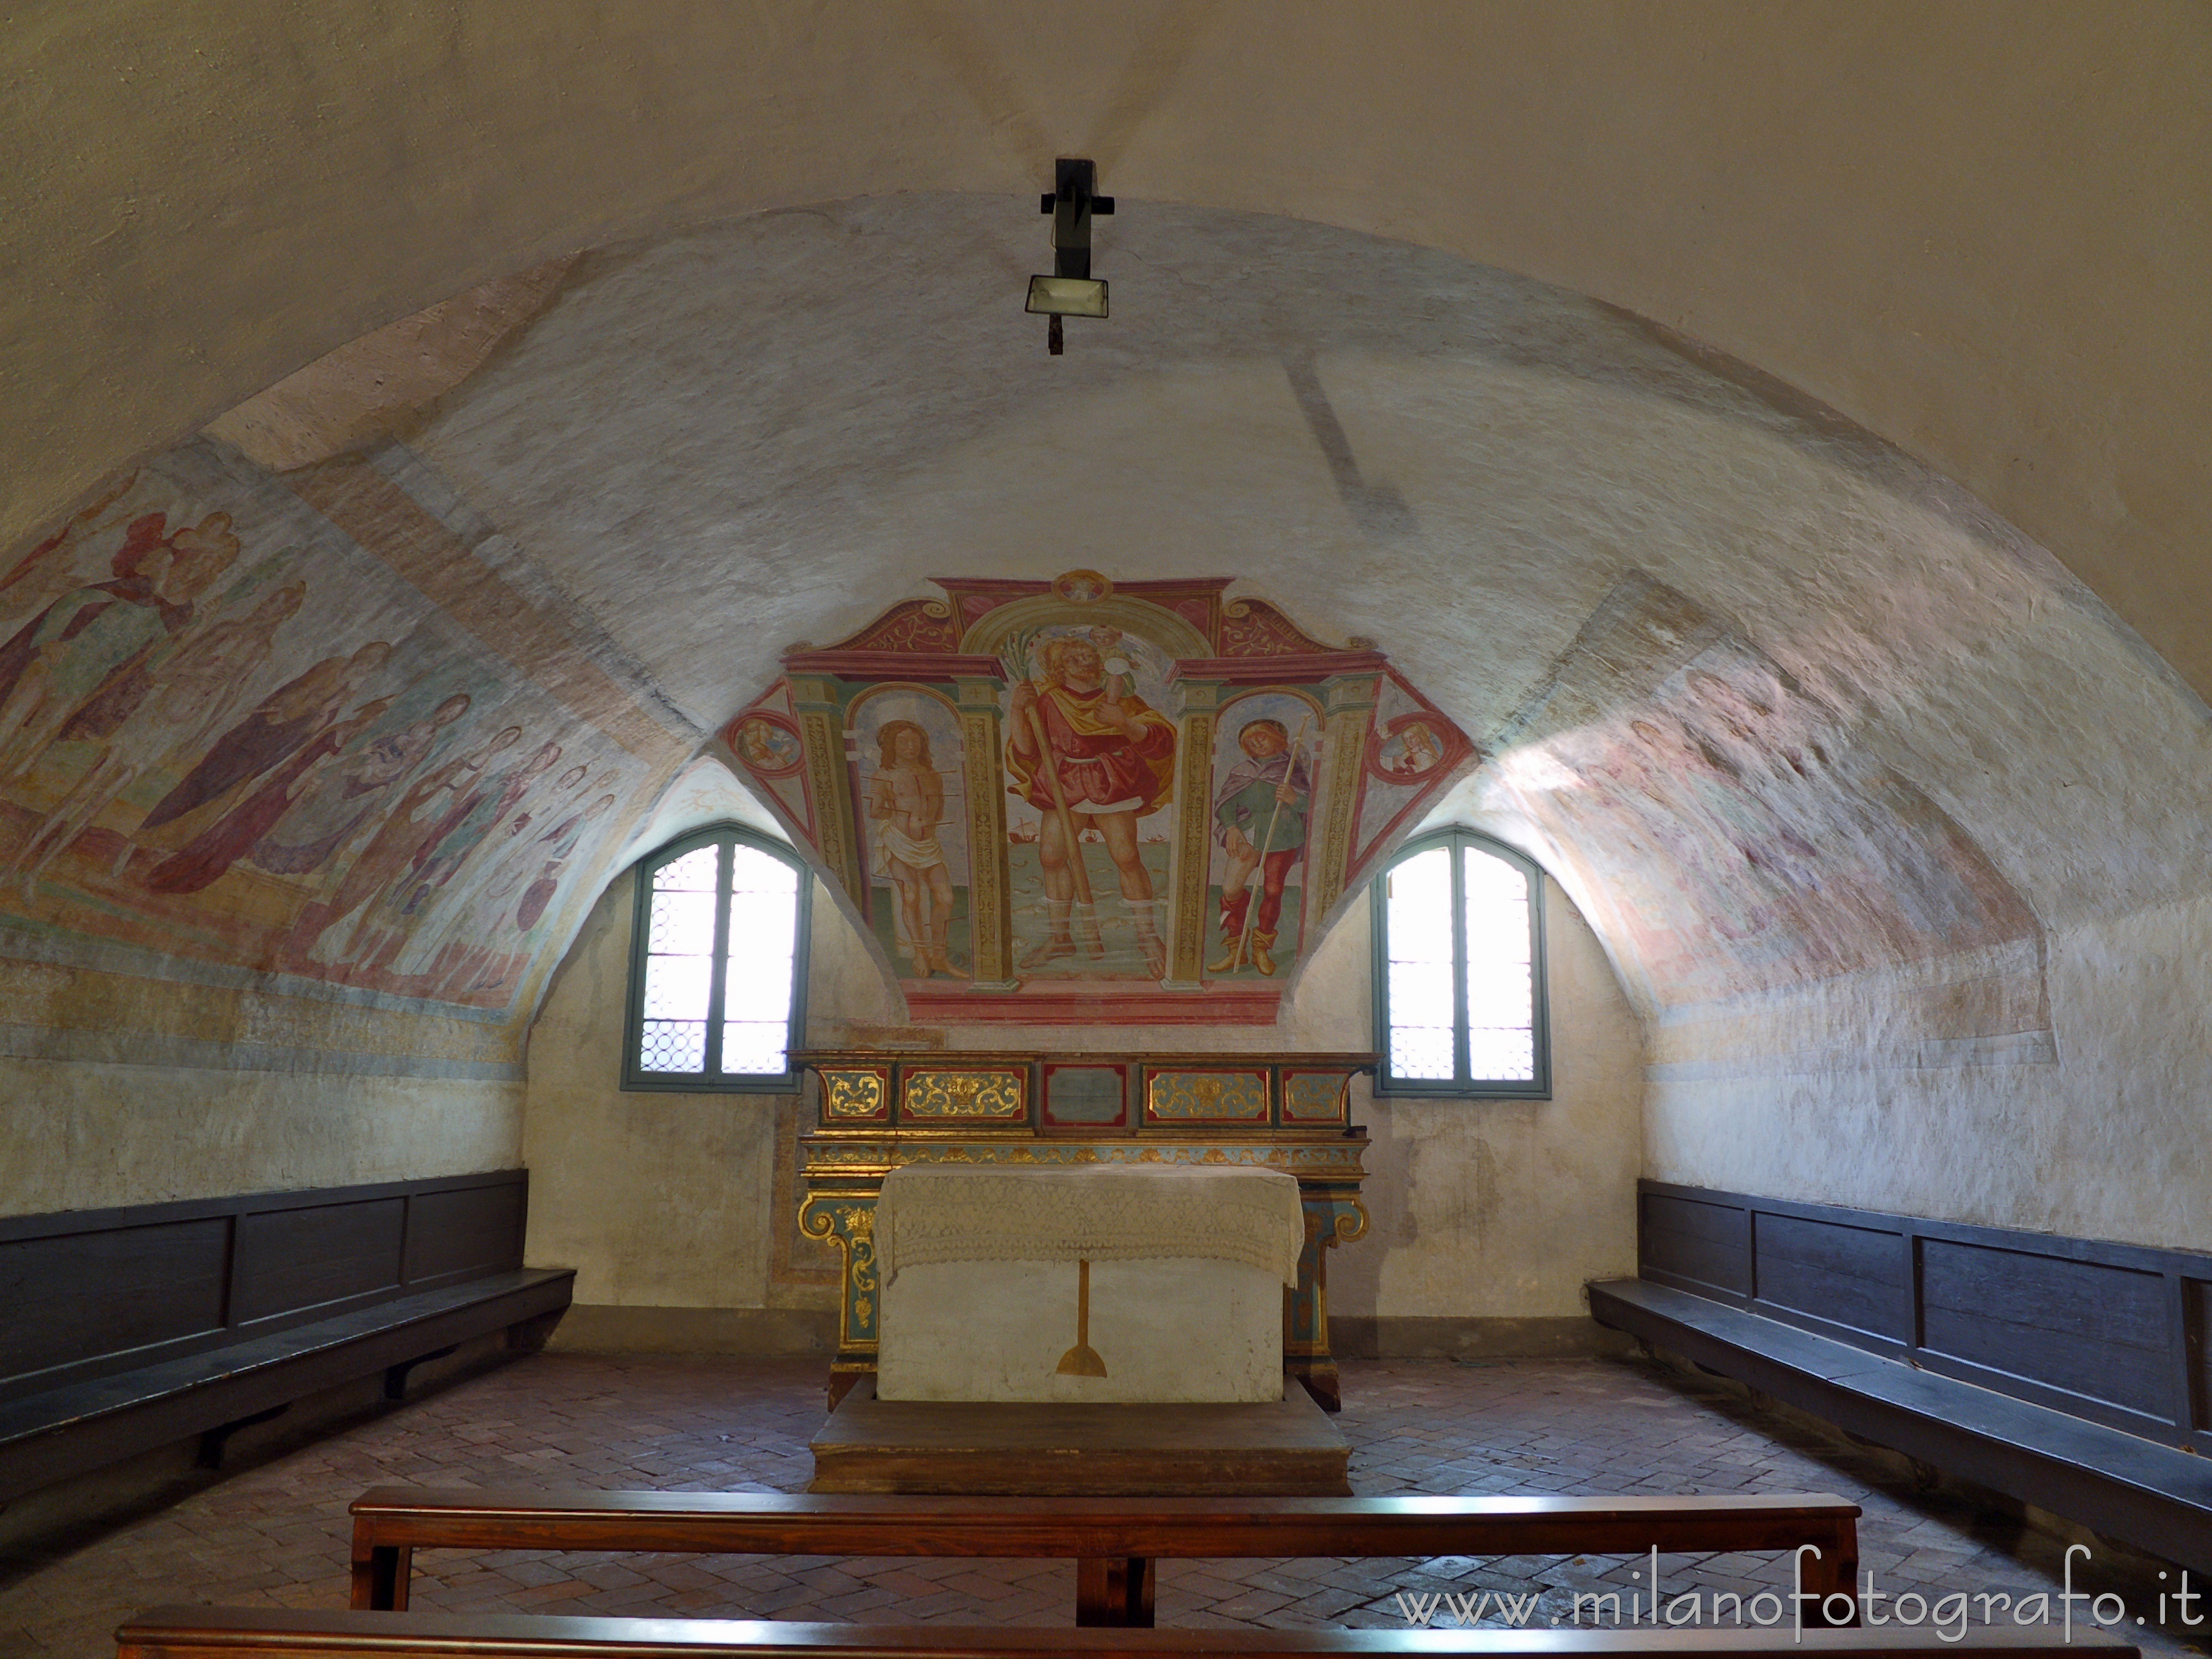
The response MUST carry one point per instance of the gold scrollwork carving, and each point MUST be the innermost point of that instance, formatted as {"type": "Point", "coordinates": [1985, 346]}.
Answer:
{"type": "Point", "coordinates": [1215, 1097]}
{"type": "Point", "coordinates": [965, 1094]}
{"type": "Point", "coordinates": [854, 1094]}
{"type": "Point", "coordinates": [852, 1227]}
{"type": "Point", "coordinates": [1315, 1096]}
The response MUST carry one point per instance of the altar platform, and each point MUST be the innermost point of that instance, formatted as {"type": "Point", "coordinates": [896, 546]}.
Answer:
{"type": "Point", "coordinates": [1280, 1448]}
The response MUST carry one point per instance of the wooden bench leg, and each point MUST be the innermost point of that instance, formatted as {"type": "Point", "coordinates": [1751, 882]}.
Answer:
{"type": "Point", "coordinates": [379, 1577]}
{"type": "Point", "coordinates": [1834, 1571]}
{"type": "Point", "coordinates": [213, 1441]}
{"type": "Point", "coordinates": [1115, 1590]}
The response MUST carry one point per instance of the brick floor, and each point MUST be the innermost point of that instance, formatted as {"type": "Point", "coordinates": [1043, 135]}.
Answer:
{"type": "Point", "coordinates": [275, 1535]}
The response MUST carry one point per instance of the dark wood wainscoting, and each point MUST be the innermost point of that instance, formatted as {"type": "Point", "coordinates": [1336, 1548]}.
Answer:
{"type": "Point", "coordinates": [93, 1292]}
{"type": "Point", "coordinates": [2113, 1333]}
{"type": "Point", "coordinates": [125, 1330]}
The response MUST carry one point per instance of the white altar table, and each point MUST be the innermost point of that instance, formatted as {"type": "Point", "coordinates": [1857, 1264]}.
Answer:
{"type": "Point", "coordinates": [979, 1274]}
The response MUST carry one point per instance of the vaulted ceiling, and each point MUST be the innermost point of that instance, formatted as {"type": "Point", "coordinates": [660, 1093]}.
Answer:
{"type": "Point", "coordinates": [1775, 438]}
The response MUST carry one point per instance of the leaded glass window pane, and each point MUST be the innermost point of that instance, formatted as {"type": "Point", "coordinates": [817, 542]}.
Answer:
{"type": "Point", "coordinates": [1500, 989]}
{"type": "Point", "coordinates": [758, 987]}
{"type": "Point", "coordinates": [753, 1045]}
{"type": "Point", "coordinates": [682, 924]}
{"type": "Point", "coordinates": [692, 873]}
{"type": "Point", "coordinates": [1420, 967]}
{"type": "Point", "coordinates": [673, 1045]}
{"type": "Point", "coordinates": [677, 987]}
{"type": "Point", "coordinates": [752, 871]}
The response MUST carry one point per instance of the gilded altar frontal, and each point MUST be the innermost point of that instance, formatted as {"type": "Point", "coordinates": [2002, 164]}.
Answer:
{"type": "Point", "coordinates": [1138, 803]}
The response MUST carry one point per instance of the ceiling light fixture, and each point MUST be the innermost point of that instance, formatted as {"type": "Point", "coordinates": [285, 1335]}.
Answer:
{"type": "Point", "coordinates": [1069, 291]}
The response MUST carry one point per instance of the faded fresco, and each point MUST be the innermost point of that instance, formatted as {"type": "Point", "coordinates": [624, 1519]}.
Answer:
{"type": "Point", "coordinates": [1267, 762]}
{"type": "Point", "coordinates": [1085, 800]}
{"type": "Point", "coordinates": [1091, 765]}
{"type": "Point", "coordinates": [229, 734]}
{"type": "Point", "coordinates": [1740, 834]}
{"type": "Point", "coordinates": [910, 755]}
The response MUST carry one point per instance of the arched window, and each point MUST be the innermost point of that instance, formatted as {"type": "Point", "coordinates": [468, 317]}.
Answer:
{"type": "Point", "coordinates": [1459, 971]}
{"type": "Point", "coordinates": [718, 964]}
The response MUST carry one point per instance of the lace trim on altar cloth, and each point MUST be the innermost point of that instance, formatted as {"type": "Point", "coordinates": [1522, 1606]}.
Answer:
{"type": "Point", "coordinates": [1113, 1213]}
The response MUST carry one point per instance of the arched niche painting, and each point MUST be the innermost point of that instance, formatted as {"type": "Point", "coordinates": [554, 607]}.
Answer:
{"type": "Point", "coordinates": [1110, 845]}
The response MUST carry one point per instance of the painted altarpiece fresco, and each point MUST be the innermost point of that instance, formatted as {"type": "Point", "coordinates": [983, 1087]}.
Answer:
{"type": "Point", "coordinates": [1084, 800]}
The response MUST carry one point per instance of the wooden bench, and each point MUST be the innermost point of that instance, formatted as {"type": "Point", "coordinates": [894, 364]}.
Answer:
{"type": "Point", "coordinates": [1114, 1540]}
{"type": "Point", "coordinates": [261, 1633]}
{"type": "Point", "coordinates": [2069, 1373]}
{"type": "Point", "coordinates": [132, 1328]}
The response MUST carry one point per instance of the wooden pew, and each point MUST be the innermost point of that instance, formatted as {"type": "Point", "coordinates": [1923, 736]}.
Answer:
{"type": "Point", "coordinates": [132, 1328]}
{"type": "Point", "coordinates": [263, 1633]}
{"type": "Point", "coordinates": [1114, 1540]}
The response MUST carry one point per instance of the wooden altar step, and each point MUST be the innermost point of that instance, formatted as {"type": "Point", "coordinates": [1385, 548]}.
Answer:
{"type": "Point", "coordinates": [1283, 1449]}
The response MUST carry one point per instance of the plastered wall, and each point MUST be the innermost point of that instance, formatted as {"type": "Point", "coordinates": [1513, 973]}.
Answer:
{"type": "Point", "coordinates": [1489, 1212]}
{"type": "Point", "coordinates": [80, 1135]}
{"type": "Point", "coordinates": [2101, 1136]}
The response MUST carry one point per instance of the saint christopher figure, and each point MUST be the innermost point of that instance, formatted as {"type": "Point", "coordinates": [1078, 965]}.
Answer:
{"type": "Point", "coordinates": [1088, 755]}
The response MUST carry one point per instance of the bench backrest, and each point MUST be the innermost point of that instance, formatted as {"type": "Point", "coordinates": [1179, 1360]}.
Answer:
{"type": "Point", "coordinates": [840, 1525]}
{"type": "Point", "coordinates": [93, 1293]}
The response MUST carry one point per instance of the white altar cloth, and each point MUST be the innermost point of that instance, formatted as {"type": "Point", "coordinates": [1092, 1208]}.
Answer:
{"type": "Point", "coordinates": [977, 1271]}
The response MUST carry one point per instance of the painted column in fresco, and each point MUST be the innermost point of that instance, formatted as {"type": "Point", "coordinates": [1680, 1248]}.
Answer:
{"type": "Point", "coordinates": [985, 803]}
{"type": "Point", "coordinates": [1193, 845]}
{"type": "Point", "coordinates": [822, 733]}
{"type": "Point", "coordinates": [1349, 699]}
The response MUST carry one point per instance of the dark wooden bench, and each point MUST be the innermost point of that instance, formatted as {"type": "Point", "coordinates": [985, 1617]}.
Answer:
{"type": "Point", "coordinates": [217, 1632]}
{"type": "Point", "coordinates": [132, 1328]}
{"type": "Point", "coordinates": [2072, 1374]}
{"type": "Point", "coordinates": [1114, 1540]}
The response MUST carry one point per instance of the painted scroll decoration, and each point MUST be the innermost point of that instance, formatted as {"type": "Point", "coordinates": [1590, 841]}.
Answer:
{"type": "Point", "coordinates": [1085, 800]}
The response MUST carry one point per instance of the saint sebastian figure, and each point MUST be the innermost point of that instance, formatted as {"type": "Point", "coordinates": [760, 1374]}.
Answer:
{"type": "Point", "coordinates": [1105, 761]}
{"type": "Point", "coordinates": [906, 799]}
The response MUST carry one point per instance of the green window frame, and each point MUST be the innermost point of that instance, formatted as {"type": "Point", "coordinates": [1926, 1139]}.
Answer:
{"type": "Point", "coordinates": [1413, 1060]}
{"type": "Point", "coordinates": [706, 939]}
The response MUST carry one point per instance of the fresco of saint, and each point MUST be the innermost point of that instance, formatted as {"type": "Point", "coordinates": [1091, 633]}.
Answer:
{"type": "Point", "coordinates": [1260, 815]}
{"type": "Point", "coordinates": [1088, 755]}
{"type": "Point", "coordinates": [906, 802]}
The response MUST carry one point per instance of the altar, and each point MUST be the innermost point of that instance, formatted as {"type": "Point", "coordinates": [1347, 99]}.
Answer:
{"type": "Point", "coordinates": [877, 1111]}
{"type": "Point", "coordinates": [1159, 1283]}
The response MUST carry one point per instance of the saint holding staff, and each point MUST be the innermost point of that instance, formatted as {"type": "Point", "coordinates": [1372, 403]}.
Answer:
{"type": "Point", "coordinates": [1088, 753]}
{"type": "Point", "coordinates": [1260, 816]}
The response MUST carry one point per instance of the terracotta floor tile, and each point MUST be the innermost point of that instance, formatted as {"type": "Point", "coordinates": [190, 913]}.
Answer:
{"type": "Point", "coordinates": [277, 1533]}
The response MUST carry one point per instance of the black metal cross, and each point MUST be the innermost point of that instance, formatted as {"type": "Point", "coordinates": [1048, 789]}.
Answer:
{"type": "Point", "coordinates": [1072, 201]}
